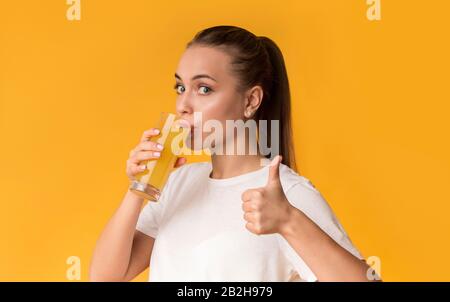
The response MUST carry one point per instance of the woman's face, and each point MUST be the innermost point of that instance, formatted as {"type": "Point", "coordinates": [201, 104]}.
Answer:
{"type": "Point", "coordinates": [206, 84]}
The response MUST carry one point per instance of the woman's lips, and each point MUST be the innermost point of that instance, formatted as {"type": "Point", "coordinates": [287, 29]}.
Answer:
{"type": "Point", "coordinates": [184, 123]}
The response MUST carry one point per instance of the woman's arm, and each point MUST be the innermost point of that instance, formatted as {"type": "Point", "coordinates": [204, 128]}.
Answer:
{"type": "Point", "coordinates": [326, 258]}
{"type": "Point", "coordinates": [122, 252]}
{"type": "Point", "coordinates": [267, 211]}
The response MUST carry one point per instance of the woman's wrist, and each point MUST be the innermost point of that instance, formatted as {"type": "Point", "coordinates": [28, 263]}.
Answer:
{"type": "Point", "coordinates": [132, 197]}
{"type": "Point", "coordinates": [292, 224]}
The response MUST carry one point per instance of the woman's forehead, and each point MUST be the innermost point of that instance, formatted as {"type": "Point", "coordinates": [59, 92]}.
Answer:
{"type": "Point", "coordinates": [203, 60]}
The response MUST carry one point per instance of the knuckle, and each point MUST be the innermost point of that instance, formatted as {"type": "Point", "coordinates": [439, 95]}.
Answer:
{"type": "Point", "coordinates": [150, 132]}
{"type": "Point", "coordinates": [143, 155]}
{"type": "Point", "coordinates": [257, 194]}
{"type": "Point", "coordinates": [243, 195]}
{"type": "Point", "coordinates": [257, 216]}
{"type": "Point", "coordinates": [258, 229]}
{"type": "Point", "coordinates": [144, 145]}
{"type": "Point", "coordinates": [247, 216]}
{"type": "Point", "coordinates": [152, 144]}
{"type": "Point", "coordinates": [145, 135]}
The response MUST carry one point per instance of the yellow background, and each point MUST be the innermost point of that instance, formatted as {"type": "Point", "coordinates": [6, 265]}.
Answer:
{"type": "Point", "coordinates": [370, 106]}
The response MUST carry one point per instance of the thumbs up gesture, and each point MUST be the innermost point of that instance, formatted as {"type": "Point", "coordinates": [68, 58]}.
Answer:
{"type": "Point", "coordinates": [267, 209]}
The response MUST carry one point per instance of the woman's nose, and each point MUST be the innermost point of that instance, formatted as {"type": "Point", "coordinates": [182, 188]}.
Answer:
{"type": "Point", "coordinates": [184, 105]}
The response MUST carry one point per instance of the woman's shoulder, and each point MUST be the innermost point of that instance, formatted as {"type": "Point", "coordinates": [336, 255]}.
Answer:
{"type": "Point", "coordinates": [290, 178]}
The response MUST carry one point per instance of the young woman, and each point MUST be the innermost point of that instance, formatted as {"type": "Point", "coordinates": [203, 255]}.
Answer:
{"type": "Point", "coordinates": [230, 219]}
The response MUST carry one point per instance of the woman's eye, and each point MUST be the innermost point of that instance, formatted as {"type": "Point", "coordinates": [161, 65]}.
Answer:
{"type": "Point", "coordinates": [179, 88]}
{"type": "Point", "coordinates": [204, 90]}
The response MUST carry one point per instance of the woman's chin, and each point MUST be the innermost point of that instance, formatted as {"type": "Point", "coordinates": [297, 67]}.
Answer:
{"type": "Point", "coordinates": [190, 143]}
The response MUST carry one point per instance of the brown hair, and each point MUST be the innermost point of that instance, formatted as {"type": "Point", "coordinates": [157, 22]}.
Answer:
{"type": "Point", "coordinates": [258, 61]}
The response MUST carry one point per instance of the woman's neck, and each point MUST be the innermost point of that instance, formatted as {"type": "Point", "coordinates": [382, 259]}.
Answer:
{"type": "Point", "coordinates": [226, 166]}
{"type": "Point", "coordinates": [230, 165]}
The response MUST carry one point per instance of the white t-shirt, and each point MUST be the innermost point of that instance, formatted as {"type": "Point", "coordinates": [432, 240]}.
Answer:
{"type": "Point", "coordinates": [200, 233]}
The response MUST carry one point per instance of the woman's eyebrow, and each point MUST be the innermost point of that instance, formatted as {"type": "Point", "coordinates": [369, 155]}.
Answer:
{"type": "Point", "coordinates": [199, 76]}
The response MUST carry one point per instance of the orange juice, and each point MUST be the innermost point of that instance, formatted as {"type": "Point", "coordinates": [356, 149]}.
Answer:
{"type": "Point", "coordinates": [150, 183]}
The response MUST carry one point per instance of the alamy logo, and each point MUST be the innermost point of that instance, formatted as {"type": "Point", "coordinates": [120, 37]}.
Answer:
{"type": "Point", "coordinates": [74, 10]}
{"type": "Point", "coordinates": [374, 10]}
{"type": "Point", "coordinates": [230, 137]}
{"type": "Point", "coordinates": [374, 271]}
{"type": "Point", "coordinates": [73, 272]}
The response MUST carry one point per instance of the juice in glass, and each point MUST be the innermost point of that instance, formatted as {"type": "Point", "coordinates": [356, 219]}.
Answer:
{"type": "Point", "coordinates": [150, 183]}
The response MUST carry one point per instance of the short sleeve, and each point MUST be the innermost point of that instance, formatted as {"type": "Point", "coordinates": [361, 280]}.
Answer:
{"type": "Point", "coordinates": [151, 215]}
{"type": "Point", "coordinates": [305, 197]}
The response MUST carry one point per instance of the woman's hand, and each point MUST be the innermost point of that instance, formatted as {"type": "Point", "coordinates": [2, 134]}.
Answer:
{"type": "Point", "coordinates": [146, 150]}
{"type": "Point", "coordinates": [267, 209]}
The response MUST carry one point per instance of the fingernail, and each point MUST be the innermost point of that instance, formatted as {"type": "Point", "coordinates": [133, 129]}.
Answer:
{"type": "Point", "coordinates": [275, 160]}
{"type": "Point", "coordinates": [143, 167]}
{"type": "Point", "coordinates": [157, 154]}
{"type": "Point", "coordinates": [156, 131]}
{"type": "Point", "coordinates": [159, 146]}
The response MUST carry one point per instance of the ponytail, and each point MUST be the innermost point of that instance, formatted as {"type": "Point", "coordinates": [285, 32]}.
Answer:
{"type": "Point", "coordinates": [278, 104]}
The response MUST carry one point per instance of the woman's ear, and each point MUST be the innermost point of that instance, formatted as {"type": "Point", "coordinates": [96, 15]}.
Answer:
{"type": "Point", "coordinates": [253, 100]}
